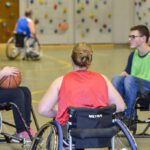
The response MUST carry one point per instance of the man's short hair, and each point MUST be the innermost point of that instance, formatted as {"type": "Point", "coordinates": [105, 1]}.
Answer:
{"type": "Point", "coordinates": [28, 13]}
{"type": "Point", "coordinates": [143, 30]}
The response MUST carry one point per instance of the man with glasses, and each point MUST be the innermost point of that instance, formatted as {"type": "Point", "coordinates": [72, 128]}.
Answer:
{"type": "Point", "coordinates": [136, 76]}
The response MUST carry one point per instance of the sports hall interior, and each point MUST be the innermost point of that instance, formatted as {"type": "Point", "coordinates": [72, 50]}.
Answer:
{"type": "Point", "coordinates": [104, 24]}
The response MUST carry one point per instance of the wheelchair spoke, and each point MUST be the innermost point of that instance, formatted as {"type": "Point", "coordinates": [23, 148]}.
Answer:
{"type": "Point", "coordinates": [121, 143]}
{"type": "Point", "coordinates": [124, 140]}
{"type": "Point", "coordinates": [46, 138]}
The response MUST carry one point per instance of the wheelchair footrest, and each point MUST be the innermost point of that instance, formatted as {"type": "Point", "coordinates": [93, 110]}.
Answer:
{"type": "Point", "coordinates": [11, 138]}
{"type": "Point", "coordinates": [144, 121]}
{"type": "Point", "coordinates": [147, 120]}
{"type": "Point", "coordinates": [141, 135]}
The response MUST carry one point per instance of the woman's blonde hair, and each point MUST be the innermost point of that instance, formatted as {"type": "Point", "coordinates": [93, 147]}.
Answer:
{"type": "Point", "coordinates": [82, 55]}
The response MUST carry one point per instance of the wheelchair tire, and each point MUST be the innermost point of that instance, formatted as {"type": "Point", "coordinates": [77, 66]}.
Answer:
{"type": "Point", "coordinates": [47, 138]}
{"type": "Point", "coordinates": [34, 51]}
{"type": "Point", "coordinates": [11, 51]}
{"type": "Point", "coordinates": [124, 139]}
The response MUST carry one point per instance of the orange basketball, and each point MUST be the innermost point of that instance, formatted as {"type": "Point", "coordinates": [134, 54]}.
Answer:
{"type": "Point", "coordinates": [12, 81]}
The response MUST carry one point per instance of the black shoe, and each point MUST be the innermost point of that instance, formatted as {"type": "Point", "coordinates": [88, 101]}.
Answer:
{"type": "Point", "coordinates": [130, 123]}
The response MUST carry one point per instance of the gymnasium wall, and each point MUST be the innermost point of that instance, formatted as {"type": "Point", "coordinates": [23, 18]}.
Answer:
{"type": "Point", "coordinates": [94, 21]}
{"type": "Point", "coordinates": [9, 13]}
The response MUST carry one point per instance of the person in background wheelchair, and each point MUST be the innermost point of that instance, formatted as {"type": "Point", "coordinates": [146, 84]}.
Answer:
{"type": "Point", "coordinates": [20, 96]}
{"type": "Point", "coordinates": [136, 76]}
{"type": "Point", "coordinates": [27, 26]}
{"type": "Point", "coordinates": [79, 88]}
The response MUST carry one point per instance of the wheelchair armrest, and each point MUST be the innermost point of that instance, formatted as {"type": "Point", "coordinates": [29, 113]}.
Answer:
{"type": "Point", "coordinates": [5, 106]}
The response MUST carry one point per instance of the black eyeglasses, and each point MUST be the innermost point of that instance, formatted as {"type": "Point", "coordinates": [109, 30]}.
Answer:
{"type": "Point", "coordinates": [134, 36]}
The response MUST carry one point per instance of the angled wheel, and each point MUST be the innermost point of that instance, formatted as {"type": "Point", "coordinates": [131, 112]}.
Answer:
{"type": "Point", "coordinates": [47, 138]}
{"type": "Point", "coordinates": [124, 139]}
{"type": "Point", "coordinates": [33, 49]}
{"type": "Point", "coordinates": [11, 51]}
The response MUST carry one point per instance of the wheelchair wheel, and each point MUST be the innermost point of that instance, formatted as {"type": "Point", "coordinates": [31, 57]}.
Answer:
{"type": "Point", "coordinates": [11, 51]}
{"type": "Point", "coordinates": [33, 49]}
{"type": "Point", "coordinates": [124, 139]}
{"type": "Point", "coordinates": [47, 138]}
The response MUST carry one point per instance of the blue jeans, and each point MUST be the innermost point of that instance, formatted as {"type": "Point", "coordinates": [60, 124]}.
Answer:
{"type": "Point", "coordinates": [130, 88]}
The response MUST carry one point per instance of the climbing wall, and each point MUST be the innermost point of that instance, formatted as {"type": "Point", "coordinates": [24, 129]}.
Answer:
{"type": "Point", "coordinates": [9, 13]}
{"type": "Point", "coordinates": [142, 12]}
{"type": "Point", "coordinates": [93, 20]}
{"type": "Point", "coordinates": [63, 21]}
{"type": "Point", "coordinates": [54, 20]}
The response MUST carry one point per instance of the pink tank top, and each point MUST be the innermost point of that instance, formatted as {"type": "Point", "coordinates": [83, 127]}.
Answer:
{"type": "Point", "coordinates": [81, 89]}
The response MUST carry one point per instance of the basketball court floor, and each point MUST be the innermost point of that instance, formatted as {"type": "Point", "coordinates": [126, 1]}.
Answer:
{"type": "Point", "coordinates": [38, 75]}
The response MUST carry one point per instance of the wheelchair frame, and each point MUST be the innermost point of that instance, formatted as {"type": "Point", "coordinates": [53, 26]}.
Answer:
{"type": "Point", "coordinates": [139, 104]}
{"type": "Point", "coordinates": [58, 133]}
{"type": "Point", "coordinates": [19, 45]}
{"type": "Point", "coordinates": [8, 138]}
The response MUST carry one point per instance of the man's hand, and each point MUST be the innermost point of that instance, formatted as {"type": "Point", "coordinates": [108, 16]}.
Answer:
{"type": "Point", "coordinates": [6, 71]}
{"type": "Point", "coordinates": [124, 73]}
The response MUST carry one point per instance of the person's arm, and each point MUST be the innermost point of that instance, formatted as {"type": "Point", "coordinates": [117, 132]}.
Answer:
{"type": "Point", "coordinates": [129, 64]}
{"type": "Point", "coordinates": [114, 96]}
{"type": "Point", "coordinates": [15, 28]}
{"type": "Point", "coordinates": [47, 106]}
{"type": "Point", "coordinates": [127, 70]}
{"type": "Point", "coordinates": [32, 28]}
{"type": "Point", "coordinates": [6, 71]}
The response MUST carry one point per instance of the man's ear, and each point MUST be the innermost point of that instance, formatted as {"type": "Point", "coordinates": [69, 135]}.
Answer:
{"type": "Point", "coordinates": [144, 39]}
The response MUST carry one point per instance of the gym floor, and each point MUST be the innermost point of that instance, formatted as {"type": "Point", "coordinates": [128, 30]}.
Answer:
{"type": "Point", "coordinates": [38, 75]}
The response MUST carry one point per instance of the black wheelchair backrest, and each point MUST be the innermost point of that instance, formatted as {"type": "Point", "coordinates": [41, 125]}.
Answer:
{"type": "Point", "coordinates": [91, 127]}
{"type": "Point", "coordinates": [91, 118]}
{"type": "Point", "coordinates": [19, 39]}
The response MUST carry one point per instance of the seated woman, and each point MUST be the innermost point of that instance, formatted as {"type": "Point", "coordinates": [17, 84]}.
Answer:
{"type": "Point", "coordinates": [79, 88]}
{"type": "Point", "coordinates": [20, 96]}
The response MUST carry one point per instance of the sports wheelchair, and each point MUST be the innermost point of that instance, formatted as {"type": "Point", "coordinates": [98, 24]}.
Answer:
{"type": "Point", "coordinates": [26, 48]}
{"type": "Point", "coordinates": [86, 128]}
{"type": "Point", "coordinates": [142, 104]}
{"type": "Point", "coordinates": [5, 135]}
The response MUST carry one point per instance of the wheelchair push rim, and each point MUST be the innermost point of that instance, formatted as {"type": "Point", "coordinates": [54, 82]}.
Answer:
{"type": "Point", "coordinates": [48, 137]}
{"type": "Point", "coordinates": [11, 51]}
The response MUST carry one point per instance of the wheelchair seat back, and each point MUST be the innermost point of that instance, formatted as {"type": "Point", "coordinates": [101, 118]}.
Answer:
{"type": "Point", "coordinates": [92, 128]}
{"type": "Point", "coordinates": [19, 40]}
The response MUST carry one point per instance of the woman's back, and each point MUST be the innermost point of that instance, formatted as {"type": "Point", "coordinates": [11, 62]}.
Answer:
{"type": "Point", "coordinates": [81, 88]}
